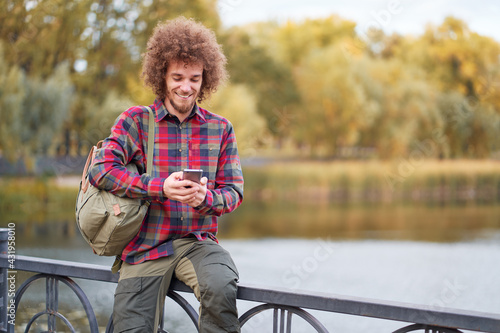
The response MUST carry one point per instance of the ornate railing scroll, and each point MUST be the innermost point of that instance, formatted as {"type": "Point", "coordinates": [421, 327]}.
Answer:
{"type": "Point", "coordinates": [282, 317]}
{"type": "Point", "coordinates": [427, 329]}
{"type": "Point", "coordinates": [52, 302]}
{"type": "Point", "coordinates": [284, 304]}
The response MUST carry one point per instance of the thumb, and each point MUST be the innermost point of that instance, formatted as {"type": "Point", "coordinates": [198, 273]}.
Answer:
{"type": "Point", "coordinates": [203, 181]}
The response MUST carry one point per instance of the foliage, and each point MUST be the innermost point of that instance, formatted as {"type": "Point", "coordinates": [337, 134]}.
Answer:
{"type": "Point", "coordinates": [44, 109]}
{"type": "Point", "coordinates": [390, 92]}
{"type": "Point", "coordinates": [237, 103]}
{"type": "Point", "coordinates": [67, 68]}
{"type": "Point", "coordinates": [34, 109]}
{"type": "Point", "coordinates": [269, 79]}
{"type": "Point", "coordinates": [12, 94]}
{"type": "Point", "coordinates": [100, 117]}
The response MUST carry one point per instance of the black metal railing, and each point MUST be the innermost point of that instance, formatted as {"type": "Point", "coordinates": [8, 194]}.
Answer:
{"type": "Point", "coordinates": [284, 304]}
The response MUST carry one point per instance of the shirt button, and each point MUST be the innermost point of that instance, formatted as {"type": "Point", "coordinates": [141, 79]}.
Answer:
{"type": "Point", "coordinates": [180, 149]}
{"type": "Point", "coordinates": [182, 218]}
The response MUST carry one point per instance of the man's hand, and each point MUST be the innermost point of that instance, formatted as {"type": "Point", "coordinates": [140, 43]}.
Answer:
{"type": "Point", "coordinates": [200, 194]}
{"type": "Point", "coordinates": [185, 191]}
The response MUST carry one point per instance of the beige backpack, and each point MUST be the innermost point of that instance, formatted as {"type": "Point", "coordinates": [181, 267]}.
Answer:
{"type": "Point", "coordinates": [108, 222]}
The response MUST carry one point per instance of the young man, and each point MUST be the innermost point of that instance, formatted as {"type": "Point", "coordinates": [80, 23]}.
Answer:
{"type": "Point", "coordinates": [183, 64]}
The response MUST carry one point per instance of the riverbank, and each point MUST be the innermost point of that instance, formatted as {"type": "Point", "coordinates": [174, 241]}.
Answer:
{"type": "Point", "coordinates": [300, 182]}
{"type": "Point", "coordinates": [448, 181]}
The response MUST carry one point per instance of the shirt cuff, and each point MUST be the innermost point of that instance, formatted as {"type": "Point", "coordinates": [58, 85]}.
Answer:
{"type": "Point", "coordinates": [205, 206]}
{"type": "Point", "coordinates": [155, 189]}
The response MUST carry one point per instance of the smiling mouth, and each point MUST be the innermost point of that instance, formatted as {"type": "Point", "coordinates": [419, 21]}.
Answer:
{"type": "Point", "coordinates": [184, 96]}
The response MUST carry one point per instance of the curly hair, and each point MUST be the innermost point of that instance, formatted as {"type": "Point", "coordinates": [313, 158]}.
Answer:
{"type": "Point", "coordinates": [185, 40]}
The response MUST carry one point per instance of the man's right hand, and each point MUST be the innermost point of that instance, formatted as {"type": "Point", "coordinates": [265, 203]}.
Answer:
{"type": "Point", "coordinates": [175, 188]}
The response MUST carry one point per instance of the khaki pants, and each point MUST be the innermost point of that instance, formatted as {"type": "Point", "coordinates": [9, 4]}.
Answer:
{"type": "Point", "coordinates": [202, 265]}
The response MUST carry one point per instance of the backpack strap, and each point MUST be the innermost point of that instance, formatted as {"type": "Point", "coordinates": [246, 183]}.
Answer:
{"type": "Point", "coordinates": [117, 264]}
{"type": "Point", "coordinates": [85, 182]}
{"type": "Point", "coordinates": [151, 141]}
{"type": "Point", "coordinates": [90, 161]}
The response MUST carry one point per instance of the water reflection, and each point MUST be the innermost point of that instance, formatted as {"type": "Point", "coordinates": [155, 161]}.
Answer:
{"type": "Point", "coordinates": [260, 219]}
{"type": "Point", "coordinates": [391, 222]}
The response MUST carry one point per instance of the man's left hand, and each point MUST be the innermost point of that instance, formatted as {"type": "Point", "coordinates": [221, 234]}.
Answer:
{"type": "Point", "coordinates": [200, 195]}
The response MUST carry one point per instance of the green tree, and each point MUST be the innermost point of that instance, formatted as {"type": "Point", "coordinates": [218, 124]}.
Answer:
{"type": "Point", "coordinates": [363, 102]}
{"type": "Point", "coordinates": [145, 15]}
{"type": "Point", "coordinates": [101, 41]}
{"type": "Point", "coordinates": [292, 41]}
{"type": "Point", "coordinates": [406, 103]}
{"type": "Point", "coordinates": [12, 95]}
{"type": "Point", "coordinates": [471, 127]}
{"type": "Point", "coordinates": [33, 110]}
{"type": "Point", "coordinates": [270, 81]}
{"type": "Point", "coordinates": [273, 54]}
{"type": "Point", "coordinates": [101, 116]}
{"type": "Point", "coordinates": [237, 103]}
{"type": "Point", "coordinates": [44, 110]}
{"type": "Point", "coordinates": [332, 109]}
{"type": "Point", "coordinates": [42, 34]}
{"type": "Point", "coordinates": [465, 69]}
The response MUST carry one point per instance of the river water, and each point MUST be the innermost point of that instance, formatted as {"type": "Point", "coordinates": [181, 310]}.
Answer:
{"type": "Point", "coordinates": [441, 257]}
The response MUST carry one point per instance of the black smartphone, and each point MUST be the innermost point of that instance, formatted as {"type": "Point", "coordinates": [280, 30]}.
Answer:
{"type": "Point", "coordinates": [192, 174]}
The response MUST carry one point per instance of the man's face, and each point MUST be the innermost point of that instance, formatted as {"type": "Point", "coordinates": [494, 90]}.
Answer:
{"type": "Point", "coordinates": [183, 81]}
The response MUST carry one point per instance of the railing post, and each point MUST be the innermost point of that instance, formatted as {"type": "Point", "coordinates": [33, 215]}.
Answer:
{"type": "Point", "coordinates": [4, 287]}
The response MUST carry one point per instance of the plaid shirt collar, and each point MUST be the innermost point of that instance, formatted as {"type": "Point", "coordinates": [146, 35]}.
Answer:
{"type": "Point", "coordinates": [162, 112]}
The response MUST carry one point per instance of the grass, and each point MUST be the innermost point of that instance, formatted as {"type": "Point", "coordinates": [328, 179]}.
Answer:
{"type": "Point", "coordinates": [36, 200]}
{"type": "Point", "coordinates": [448, 180]}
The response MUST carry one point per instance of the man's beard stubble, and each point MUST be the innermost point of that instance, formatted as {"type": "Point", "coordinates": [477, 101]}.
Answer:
{"type": "Point", "coordinates": [182, 109]}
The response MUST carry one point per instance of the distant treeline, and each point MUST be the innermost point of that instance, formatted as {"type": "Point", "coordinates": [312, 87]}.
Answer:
{"type": "Point", "coordinates": [312, 88]}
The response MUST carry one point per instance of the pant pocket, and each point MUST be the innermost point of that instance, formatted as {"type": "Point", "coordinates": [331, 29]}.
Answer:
{"type": "Point", "coordinates": [128, 311]}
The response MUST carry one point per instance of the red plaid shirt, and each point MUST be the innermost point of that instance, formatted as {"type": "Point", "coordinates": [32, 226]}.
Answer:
{"type": "Point", "coordinates": [203, 141]}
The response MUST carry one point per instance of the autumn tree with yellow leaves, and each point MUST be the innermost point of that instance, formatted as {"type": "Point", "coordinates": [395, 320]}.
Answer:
{"type": "Point", "coordinates": [68, 68]}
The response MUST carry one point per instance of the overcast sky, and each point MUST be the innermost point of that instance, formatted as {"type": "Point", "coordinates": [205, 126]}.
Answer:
{"type": "Point", "coordinates": [402, 16]}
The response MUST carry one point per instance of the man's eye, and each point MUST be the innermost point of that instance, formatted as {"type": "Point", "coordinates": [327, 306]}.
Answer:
{"type": "Point", "coordinates": [177, 79]}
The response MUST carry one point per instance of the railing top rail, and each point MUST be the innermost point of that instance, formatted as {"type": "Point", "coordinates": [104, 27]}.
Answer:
{"type": "Point", "coordinates": [63, 268]}
{"type": "Point", "coordinates": [405, 312]}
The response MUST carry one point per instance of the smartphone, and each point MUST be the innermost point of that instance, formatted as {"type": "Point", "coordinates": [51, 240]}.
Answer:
{"type": "Point", "coordinates": [192, 174]}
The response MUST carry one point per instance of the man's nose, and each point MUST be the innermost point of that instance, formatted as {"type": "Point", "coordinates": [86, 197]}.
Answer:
{"type": "Point", "coordinates": [186, 86]}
